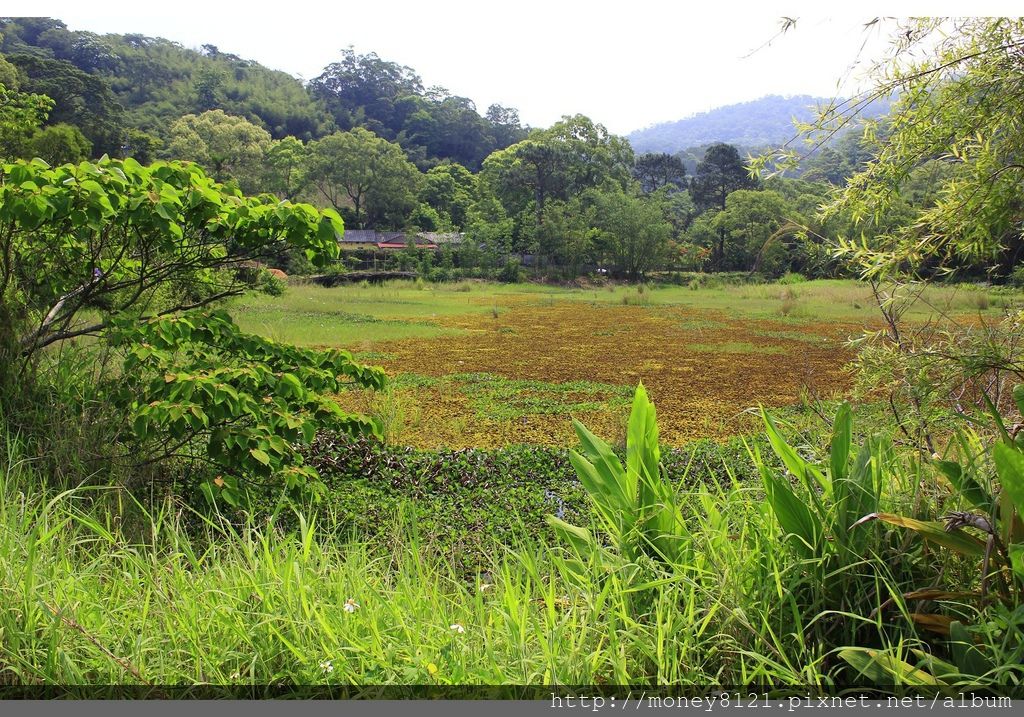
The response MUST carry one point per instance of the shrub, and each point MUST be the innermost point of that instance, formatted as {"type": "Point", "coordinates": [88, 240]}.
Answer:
{"type": "Point", "coordinates": [512, 272]}
{"type": "Point", "coordinates": [792, 277]}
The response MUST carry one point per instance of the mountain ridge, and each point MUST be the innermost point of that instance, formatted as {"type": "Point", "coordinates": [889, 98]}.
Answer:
{"type": "Point", "coordinates": [762, 122]}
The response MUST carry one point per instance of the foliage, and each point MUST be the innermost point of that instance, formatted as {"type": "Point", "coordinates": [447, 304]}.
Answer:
{"type": "Point", "coordinates": [751, 233]}
{"type": "Point", "coordinates": [657, 171]}
{"type": "Point", "coordinates": [632, 232]}
{"type": "Point", "coordinates": [21, 115]}
{"type": "Point", "coordinates": [59, 144]}
{"type": "Point", "coordinates": [389, 100]}
{"type": "Point", "coordinates": [232, 147]}
{"type": "Point", "coordinates": [286, 168]}
{"type": "Point", "coordinates": [636, 505]}
{"type": "Point", "coordinates": [955, 105]}
{"type": "Point", "coordinates": [996, 516]}
{"type": "Point", "coordinates": [360, 170]}
{"type": "Point", "coordinates": [132, 252]}
{"type": "Point", "coordinates": [204, 389]}
{"type": "Point", "coordinates": [79, 99]}
{"type": "Point", "coordinates": [157, 80]}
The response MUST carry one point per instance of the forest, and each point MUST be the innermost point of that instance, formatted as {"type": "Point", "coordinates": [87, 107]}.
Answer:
{"type": "Point", "coordinates": [327, 384]}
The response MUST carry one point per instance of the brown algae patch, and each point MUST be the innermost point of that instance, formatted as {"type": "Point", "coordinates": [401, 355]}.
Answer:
{"type": "Point", "coordinates": [516, 376]}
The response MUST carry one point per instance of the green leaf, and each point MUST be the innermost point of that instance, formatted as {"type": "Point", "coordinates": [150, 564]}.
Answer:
{"type": "Point", "coordinates": [793, 462]}
{"type": "Point", "coordinates": [966, 655]}
{"type": "Point", "coordinates": [260, 456]}
{"type": "Point", "coordinates": [793, 515]}
{"type": "Point", "coordinates": [602, 474]}
{"type": "Point", "coordinates": [842, 437]}
{"type": "Point", "coordinates": [965, 484]}
{"type": "Point", "coordinates": [1018, 397]}
{"type": "Point", "coordinates": [883, 668]}
{"type": "Point", "coordinates": [1010, 468]}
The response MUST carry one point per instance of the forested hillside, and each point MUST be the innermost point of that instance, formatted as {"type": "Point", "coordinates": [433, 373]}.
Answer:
{"type": "Point", "coordinates": [125, 91]}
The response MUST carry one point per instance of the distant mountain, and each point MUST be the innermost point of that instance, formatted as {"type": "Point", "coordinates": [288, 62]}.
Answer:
{"type": "Point", "coordinates": [760, 123]}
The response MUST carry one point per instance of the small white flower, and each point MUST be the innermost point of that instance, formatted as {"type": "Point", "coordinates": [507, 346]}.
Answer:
{"type": "Point", "coordinates": [351, 605]}
{"type": "Point", "coordinates": [484, 587]}
{"type": "Point", "coordinates": [457, 628]}
{"type": "Point", "coordinates": [327, 666]}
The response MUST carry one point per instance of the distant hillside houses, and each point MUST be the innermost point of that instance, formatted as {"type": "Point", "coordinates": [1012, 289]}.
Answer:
{"type": "Point", "coordinates": [373, 240]}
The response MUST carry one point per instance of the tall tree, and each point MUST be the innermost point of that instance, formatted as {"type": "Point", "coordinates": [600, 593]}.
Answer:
{"type": "Point", "coordinates": [657, 170]}
{"type": "Point", "coordinates": [362, 88]}
{"type": "Point", "coordinates": [79, 98]}
{"type": "Point", "coordinates": [286, 166]}
{"type": "Point", "coordinates": [232, 147]}
{"type": "Point", "coordinates": [719, 174]}
{"type": "Point", "coordinates": [632, 231]}
{"type": "Point", "coordinates": [364, 175]}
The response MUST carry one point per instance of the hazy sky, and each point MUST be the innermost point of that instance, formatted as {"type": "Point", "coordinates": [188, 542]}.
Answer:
{"type": "Point", "coordinates": [626, 65]}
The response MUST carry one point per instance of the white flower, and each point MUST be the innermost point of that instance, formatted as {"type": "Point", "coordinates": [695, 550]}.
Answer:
{"type": "Point", "coordinates": [327, 666]}
{"type": "Point", "coordinates": [457, 628]}
{"type": "Point", "coordinates": [351, 605]}
{"type": "Point", "coordinates": [484, 587]}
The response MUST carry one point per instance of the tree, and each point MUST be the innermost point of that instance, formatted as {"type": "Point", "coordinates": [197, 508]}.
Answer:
{"type": "Point", "coordinates": [232, 147]}
{"type": "Point", "coordinates": [655, 171]}
{"type": "Point", "coordinates": [756, 226]}
{"type": "Point", "coordinates": [79, 99]}
{"type": "Point", "coordinates": [632, 231]}
{"type": "Point", "coordinates": [720, 173]}
{"type": "Point", "coordinates": [559, 163]}
{"type": "Point", "coordinates": [449, 189]}
{"type": "Point", "coordinates": [59, 143]}
{"type": "Point", "coordinates": [365, 87]}
{"type": "Point", "coordinates": [506, 129]}
{"type": "Point", "coordinates": [286, 165]}
{"type": "Point", "coordinates": [21, 115]}
{"type": "Point", "coordinates": [957, 104]}
{"type": "Point", "coordinates": [135, 258]}
{"type": "Point", "coordinates": [360, 170]}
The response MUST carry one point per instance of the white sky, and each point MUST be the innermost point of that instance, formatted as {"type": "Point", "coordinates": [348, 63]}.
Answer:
{"type": "Point", "coordinates": [627, 65]}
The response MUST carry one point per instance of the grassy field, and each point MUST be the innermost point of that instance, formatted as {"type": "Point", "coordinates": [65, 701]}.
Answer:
{"type": "Point", "coordinates": [484, 365]}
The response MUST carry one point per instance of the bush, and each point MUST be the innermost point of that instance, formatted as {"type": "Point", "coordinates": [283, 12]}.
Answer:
{"type": "Point", "coordinates": [792, 277]}
{"type": "Point", "coordinates": [1017, 277]}
{"type": "Point", "coordinates": [512, 272]}
{"type": "Point", "coordinates": [271, 284]}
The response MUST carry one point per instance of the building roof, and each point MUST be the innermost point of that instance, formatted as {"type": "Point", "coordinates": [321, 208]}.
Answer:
{"type": "Point", "coordinates": [359, 236]}
{"type": "Point", "coordinates": [402, 245]}
{"type": "Point", "coordinates": [443, 237]}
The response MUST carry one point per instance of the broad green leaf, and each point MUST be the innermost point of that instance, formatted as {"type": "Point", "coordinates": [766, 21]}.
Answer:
{"type": "Point", "coordinates": [793, 462]}
{"type": "Point", "coordinates": [842, 436]}
{"type": "Point", "coordinates": [1010, 468]}
{"type": "Point", "coordinates": [966, 655]}
{"type": "Point", "coordinates": [793, 515]}
{"type": "Point", "coordinates": [965, 484]}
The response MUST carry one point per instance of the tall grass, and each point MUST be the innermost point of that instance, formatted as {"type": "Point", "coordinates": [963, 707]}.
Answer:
{"type": "Point", "coordinates": [99, 588]}
{"type": "Point", "coordinates": [89, 599]}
